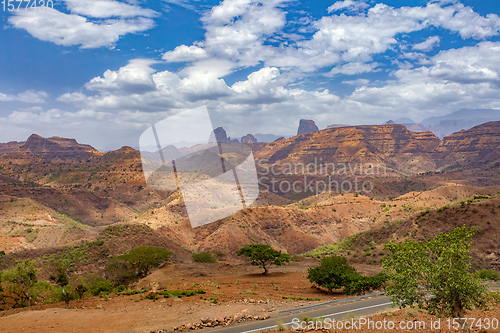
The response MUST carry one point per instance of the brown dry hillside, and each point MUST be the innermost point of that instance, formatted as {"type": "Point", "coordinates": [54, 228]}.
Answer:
{"type": "Point", "coordinates": [92, 254]}
{"type": "Point", "coordinates": [481, 211]}
{"type": "Point", "coordinates": [480, 144]}
{"type": "Point", "coordinates": [391, 144]}
{"type": "Point", "coordinates": [27, 224]}
{"type": "Point", "coordinates": [302, 226]}
{"type": "Point", "coordinates": [75, 181]}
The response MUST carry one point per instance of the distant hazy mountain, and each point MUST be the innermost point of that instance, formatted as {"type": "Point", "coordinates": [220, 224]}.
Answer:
{"type": "Point", "coordinates": [404, 120]}
{"type": "Point", "coordinates": [460, 120]}
{"type": "Point", "coordinates": [451, 123]}
{"type": "Point", "coordinates": [408, 123]}
{"type": "Point", "coordinates": [268, 137]}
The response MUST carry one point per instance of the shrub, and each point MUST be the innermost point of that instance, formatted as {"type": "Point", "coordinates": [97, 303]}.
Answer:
{"type": "Point", "coordinates": [204, 257]}
{"type": "Point", "coordinates": [66, 294]}
{"type": "Point", "coordinates": [101, 286]}
{"type": "Point", "coordinates": [180, 293]}
{"type": "Point", "coordinates": [81, 289]}
{"type": "Point", "coordinates": [121, 288]}
{"type": "Point", "coordinates": [410, 313]}
{"type": "Point", "coordinates": [488, 274]}
{"type": "Point", "coordinates": [280, 325]}
{"type": "Point", "coordinates": [360, 284]}
{"type": "Point", "coordinates": [335, 273]}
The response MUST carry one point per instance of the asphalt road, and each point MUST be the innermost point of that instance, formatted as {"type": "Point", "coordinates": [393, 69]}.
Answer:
{"type": "Point", "coordinates": [359, 308]}
{"type": "Point", "coordinates": [365, 307]}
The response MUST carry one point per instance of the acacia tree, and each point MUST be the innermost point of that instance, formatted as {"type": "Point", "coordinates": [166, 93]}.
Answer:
{"type": "Point", "coordinates": [435, 275]}
{"type": "Point", "coordinates": [144, 258]}
{"type": "Point", "coordinates": [263, 255]}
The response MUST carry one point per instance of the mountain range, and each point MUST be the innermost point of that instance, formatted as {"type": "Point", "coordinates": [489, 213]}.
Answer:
{"type": "Point", "coordinates": [445, 125]}
{"type": "Point", "coordinates": [69, 190]}
{"type": "Point", "coordinates": [393, 145]}
{"type": "Point", "coordinates": [440, 126]}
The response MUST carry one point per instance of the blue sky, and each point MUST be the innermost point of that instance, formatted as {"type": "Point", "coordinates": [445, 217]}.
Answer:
{"type": "Point", "coordinates": [102, 71]}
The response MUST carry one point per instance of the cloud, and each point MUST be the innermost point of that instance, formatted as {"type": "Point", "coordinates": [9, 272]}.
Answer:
{"type": "Point", "coordinates": [262, 86]}
{"type": "Point", "coordinates": [188, 4]}
{"type": "Point", "coordinates": [246, 32]}
{"type": "Point", "coordinates": [75, 97]}
{"type": "Point", "coordinates": [280, 60]}
{"type": "Point", "coordinates": [476, 64]}
{"type": "Point", "coordinates": [238, 34]}
{"type": "Point", "coordinates": [107, 8]}
{"type": "Point", "coordinates": [71, 29]}
{"type": "Point", "coordinates": [255, 103]}
{"type": "Point", "coordinates": [358, 82]}
{"type": "Point", "coordinates": [183, 53]}
{"type": "Point", "coordinates": [428, 44]}
{"type": "Point", "coordinates": [103, 130]}
{"type": "Point", "coordinates": [348, 4]}
{"type": "Point", "coordinates": [237, 29]}
{"type": "Point", "coordinates": [134, 78]}
{"type": "Point", "coordinates": [353, 68]}
{"type": "Point", "coordinates": [28, 96]}
{"type": "Point", "coordinates": [467, 77]}
{"type": "Point", "coordinates": [455, 17]}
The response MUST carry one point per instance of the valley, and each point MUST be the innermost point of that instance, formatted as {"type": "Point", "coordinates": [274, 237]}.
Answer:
{"type": "Point", "coordinates": [61, 200]}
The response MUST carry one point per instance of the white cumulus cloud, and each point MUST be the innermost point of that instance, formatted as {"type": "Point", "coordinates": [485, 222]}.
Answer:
{"type": "Point", "coordinates": [428, 44]}
{"type": "Point", "coordinates": [114, 20]}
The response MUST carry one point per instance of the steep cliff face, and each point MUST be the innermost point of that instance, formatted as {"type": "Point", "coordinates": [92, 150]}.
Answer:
{"type": "Point", "coordinates": [480, 144]}
{"type": "Point", "coordinates": [393, 145]}
{"type": "Point", "coordinates": [307, 126]}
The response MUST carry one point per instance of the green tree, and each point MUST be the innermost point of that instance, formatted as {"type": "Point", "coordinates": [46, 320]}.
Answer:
{"type": "Point", "coordinates": [357, 284]}
{"type": "Point", "coordinates": [263, 256]}
{"type": "Point", "coordinates": [335, 273]}
{"type": "Point", "coordinates": [439, 267]}
{"type": "Point", "coordinates": [66, 293]}
{"type": "Point", "coordinates": [121, 272]}
{"type": "Point", "coordinates": [332, 273]}
{"type": "Point", "coordinates": [144, 258]}
{"type": "Point", "coordinates": [21, 280]}
{"type": "Point", "coordinates": [60, 275]}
